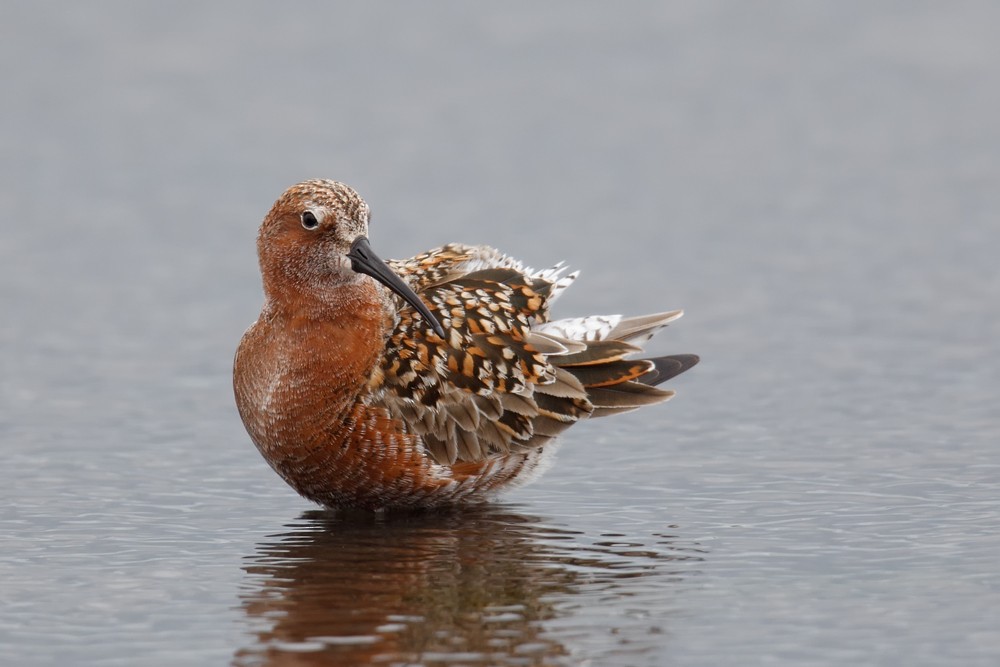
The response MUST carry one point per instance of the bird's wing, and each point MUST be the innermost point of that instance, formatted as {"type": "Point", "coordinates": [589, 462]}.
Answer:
{"type": "Point", "coordinates": [505, 378]}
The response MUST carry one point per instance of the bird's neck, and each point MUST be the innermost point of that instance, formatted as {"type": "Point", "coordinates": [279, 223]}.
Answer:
{"type": "Point", "coordinates": [331, 341]}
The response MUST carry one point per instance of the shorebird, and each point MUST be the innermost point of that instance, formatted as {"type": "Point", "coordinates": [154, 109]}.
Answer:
{"type": "Point", "coordinates": [428, 381]}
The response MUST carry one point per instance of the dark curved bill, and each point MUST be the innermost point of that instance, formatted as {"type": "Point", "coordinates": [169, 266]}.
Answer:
{"type": "Point", "coordinates": [363, 260]}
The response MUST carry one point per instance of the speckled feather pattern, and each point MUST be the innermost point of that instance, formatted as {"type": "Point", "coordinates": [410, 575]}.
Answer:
{"type": "Point", "coordinates": [356, 401]}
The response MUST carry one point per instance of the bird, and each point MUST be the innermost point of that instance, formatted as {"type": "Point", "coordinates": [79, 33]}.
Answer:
{"type": "Point", "coordinates": [433, 381]}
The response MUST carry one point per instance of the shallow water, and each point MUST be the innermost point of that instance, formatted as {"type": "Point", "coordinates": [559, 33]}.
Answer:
{"type": "Point", "coordinates": [816, 185]}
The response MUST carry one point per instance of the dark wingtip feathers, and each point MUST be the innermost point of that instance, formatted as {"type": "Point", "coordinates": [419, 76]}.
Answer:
{"type": "Point", "coordinates": [668, 367]}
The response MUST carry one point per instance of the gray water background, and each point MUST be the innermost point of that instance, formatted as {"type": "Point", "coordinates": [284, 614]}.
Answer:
{"type": "Point", "coordinates": [817, 184]}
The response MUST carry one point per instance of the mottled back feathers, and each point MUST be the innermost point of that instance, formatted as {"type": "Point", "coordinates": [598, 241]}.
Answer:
{"type": "Point", "coordinates": [506, 378]}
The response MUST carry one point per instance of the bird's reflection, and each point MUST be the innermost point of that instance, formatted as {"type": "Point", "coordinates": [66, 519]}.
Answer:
{"type": "Point", "coordinates": [477, 586]}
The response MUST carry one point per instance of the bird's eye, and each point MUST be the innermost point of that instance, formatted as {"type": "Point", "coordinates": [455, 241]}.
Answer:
{"type": "Point", "coordinates": [309, 220]}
